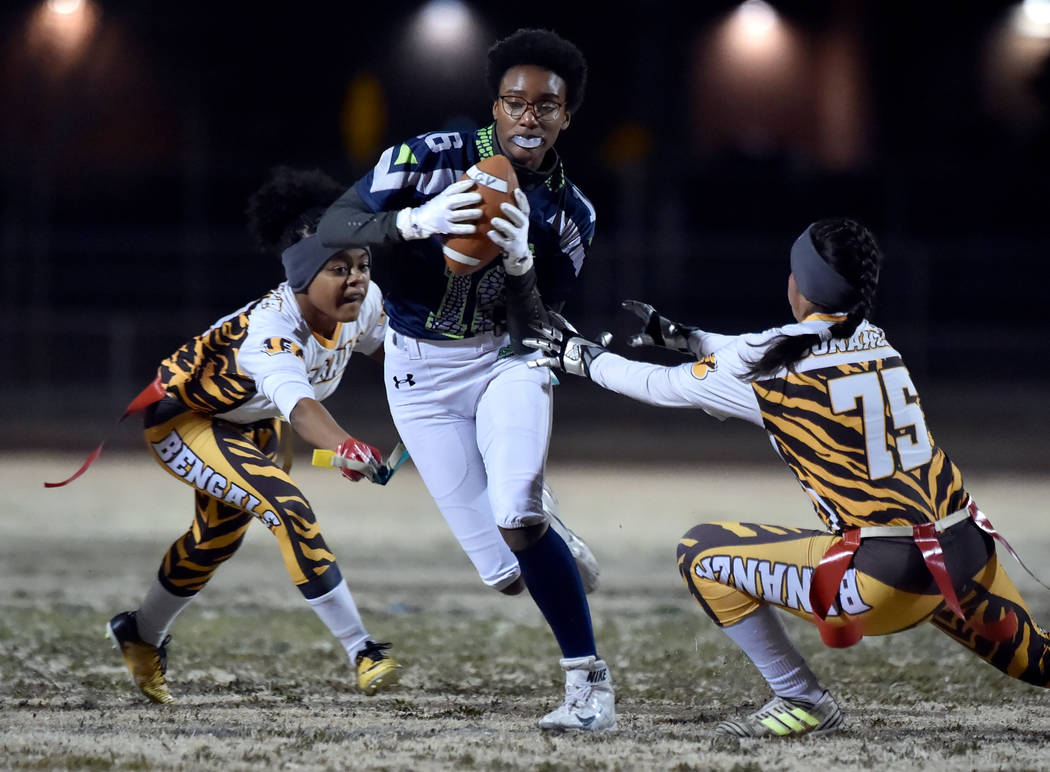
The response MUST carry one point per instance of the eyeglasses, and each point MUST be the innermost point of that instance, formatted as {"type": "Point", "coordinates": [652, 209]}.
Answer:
{"type": "Point", "coordinates": [515, 107]}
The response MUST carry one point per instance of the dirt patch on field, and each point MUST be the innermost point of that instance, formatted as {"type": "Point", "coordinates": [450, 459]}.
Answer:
{"type": "Point", "coordinates": [261, 684]}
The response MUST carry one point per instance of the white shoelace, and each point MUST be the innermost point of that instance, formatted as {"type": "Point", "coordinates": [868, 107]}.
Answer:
{"type": "Point", "coordinates": [577, 694]}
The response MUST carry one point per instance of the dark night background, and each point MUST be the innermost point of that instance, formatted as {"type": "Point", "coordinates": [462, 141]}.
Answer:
{"type": "Point", "coordinates": [128, 159]}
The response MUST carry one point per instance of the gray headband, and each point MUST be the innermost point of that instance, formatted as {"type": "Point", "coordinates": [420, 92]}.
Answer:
{"type": "Point", "coordinates": [816, 279]}
{"type": "Point", "coordinates": [304, 259]}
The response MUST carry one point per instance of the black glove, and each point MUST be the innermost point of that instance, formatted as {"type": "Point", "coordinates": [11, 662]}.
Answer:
{"type": "Point", "coordinates": [564, 347]}
{"type": "Point", "coordinates": [658, 330]}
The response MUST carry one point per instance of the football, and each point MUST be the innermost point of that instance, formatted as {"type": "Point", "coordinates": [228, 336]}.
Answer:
{"type": "Point", "coordinates": [495, 180]}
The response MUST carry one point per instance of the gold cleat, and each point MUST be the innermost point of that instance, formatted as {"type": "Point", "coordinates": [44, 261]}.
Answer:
{"type": "Point", "coordinates": [147, 663]}
{"type": "Point", "coordinates": [375, 670]}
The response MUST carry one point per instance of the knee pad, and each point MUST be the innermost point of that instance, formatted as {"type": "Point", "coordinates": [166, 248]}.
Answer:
{"type": "Point", "coordinates": [511, 585]}
{"type": "Point", "coordinates": [519, 539]}
{"type": "Point", "coordinates": [516, 587]}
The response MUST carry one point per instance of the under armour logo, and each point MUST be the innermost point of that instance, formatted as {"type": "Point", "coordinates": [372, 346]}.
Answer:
{"type": "Point", "coordinates": [407, 379]}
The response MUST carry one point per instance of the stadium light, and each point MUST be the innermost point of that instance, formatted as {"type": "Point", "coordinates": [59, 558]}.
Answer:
{"type": "Point", "coordinates": [64, 7]}
{"type": "Point", "coordinates": [62, 28]}
{"type": "Point", "coordinates": [442, 42]}
{"type": "Point", "coordinates": [445, 26]}
{"type": "Point", "coordinates": [1013, 52]}
{"type": "Point", "coordinates": [753, 25]}
{"type": "Point", "coordinates": [1032, 19]}
{"type": "Point", "coordinates": [1038, 11]}
{"type": "Point", "coordinates": [753, 38]}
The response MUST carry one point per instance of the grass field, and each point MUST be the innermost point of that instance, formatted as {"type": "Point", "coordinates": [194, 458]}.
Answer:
{"type": "Point", "coordinates": [260, 683]}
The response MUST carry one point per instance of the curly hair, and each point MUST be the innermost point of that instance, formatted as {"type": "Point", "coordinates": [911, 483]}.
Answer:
{"type": "Point", "coordinates": [288, 206]}
{"type": "Point", "coordinates": [852, 251]}
{"type": "Point", "coordinates": [543, 48]}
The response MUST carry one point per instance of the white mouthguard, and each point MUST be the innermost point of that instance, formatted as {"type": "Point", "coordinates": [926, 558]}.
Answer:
{"type": "Point", "coordinates": [527, 142]}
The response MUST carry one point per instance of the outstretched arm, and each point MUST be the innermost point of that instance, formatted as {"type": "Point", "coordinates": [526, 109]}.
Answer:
{"type": "Point", "coordinates": [709, 384]}
{"type": "Point", "coordinates": [312, 421]}
{"type": "Point", "coordinates": [564, 347]}
{"type": "Point", "coordinates": [660, 331]}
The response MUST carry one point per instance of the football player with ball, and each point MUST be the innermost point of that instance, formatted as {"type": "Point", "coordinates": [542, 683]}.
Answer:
{"type": "Point", "coordinates": [475, 418]}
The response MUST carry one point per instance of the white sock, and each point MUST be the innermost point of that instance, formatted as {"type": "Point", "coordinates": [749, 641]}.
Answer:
{"type": "Point", "coordinates": [762, 637]}
{"type": "Point", "coordinates": [337, 610]}
{"type": "Point", "coordinates": [158, 611]}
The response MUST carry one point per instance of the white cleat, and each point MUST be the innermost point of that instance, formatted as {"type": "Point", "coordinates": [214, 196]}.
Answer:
{"type": "Point", "coordinates": [590, 705]}
{"type": "Point", "coordinates": [581, 553]}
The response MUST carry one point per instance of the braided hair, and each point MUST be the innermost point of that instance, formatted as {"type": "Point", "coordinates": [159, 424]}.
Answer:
{"type": "Point", "coordinates": [852, 251]}
{"type": "Point", "coordinates": [288, 206]}
{"type": "Point", "coordinates": [542, 48]}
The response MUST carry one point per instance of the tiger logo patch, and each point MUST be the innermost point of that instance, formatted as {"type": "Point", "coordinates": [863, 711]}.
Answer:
{"type": "Point", "coordinates": [273, 346]}
{"type": "Point", "coordinates": [704, 366]}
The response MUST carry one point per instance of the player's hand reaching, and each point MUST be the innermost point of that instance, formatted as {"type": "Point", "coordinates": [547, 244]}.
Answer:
{"type": "Point", "coordinates": [658, 330]}
{"type": "Point", "coordinates": [512, 235]}
{"type": "Point", "coordinates": [444, 213]}
{"type": "Point", "coordinates": [369, 457]}
{"type": "Point", "coordinates": [565, 348]}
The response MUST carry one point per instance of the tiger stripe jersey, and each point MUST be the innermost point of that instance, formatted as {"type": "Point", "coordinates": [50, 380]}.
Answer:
{"type": "Point", "coordinates": [424, 299]}
{"type": "Point", "coordinates": [259, 361]}
{"type": "Point", "coordinates": [847, 420]}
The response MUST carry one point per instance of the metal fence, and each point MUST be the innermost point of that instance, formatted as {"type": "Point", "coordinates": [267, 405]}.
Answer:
{"type": "Point", "coordinates": [968, 316]}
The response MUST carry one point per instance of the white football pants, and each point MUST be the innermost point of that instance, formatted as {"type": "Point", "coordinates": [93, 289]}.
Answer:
{"type": "Point", "coordinates": [477, 426]}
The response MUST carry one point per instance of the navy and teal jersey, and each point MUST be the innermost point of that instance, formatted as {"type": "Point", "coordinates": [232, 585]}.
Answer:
{"type": "Point", "coordinates": [423, 298]}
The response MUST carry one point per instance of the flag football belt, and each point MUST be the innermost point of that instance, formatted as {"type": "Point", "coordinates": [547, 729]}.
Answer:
{"type": "Point", "coordinates": [150, 395]}
{"type": "Point", "coordinates": [827, 577]}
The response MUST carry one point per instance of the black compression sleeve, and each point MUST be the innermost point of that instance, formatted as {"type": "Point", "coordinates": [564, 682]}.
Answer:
{"type": "Point", "coordinates": [524, 306]}
{"type": "Point", "coordinates": [349, 223]}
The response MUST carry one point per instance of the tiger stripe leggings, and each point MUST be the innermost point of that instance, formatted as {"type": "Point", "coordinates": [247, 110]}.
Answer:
{"type": "Point", "coordinates": [732, 568]}
{"type": "Point", "coordinates": [237, 476]}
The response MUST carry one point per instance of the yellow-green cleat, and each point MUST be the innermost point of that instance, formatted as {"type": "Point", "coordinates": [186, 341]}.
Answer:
{"type": "Point", "coordinates": [375, 670]}
{"type": "Point", "coordinates": [783, 717]}
{"type": "Point", "coordinates": [147, 663]}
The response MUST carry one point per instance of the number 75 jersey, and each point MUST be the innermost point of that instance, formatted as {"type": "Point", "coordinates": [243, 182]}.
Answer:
{"type": "Point", "coordinates": [847, 421]}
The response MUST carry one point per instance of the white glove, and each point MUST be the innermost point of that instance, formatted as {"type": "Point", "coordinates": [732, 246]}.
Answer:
{"type": "Point", "coordinates": [444, 213]}
{"type": "Point", "coordinates": [512, 235]}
